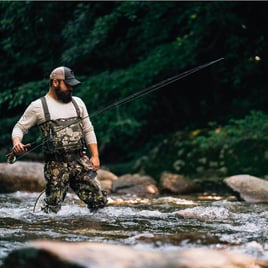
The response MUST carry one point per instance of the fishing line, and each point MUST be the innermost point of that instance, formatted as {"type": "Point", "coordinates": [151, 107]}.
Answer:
{"type": "Point", "coordinates": [127, 99]}
{"type": "Point", "coordinates": [154, 87]}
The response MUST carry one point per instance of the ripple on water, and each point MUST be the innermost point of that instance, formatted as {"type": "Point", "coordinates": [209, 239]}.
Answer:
{"type": "Point", "coordinates": [162, 222]}
{"type": "Point", "coordinates": [205, 213]}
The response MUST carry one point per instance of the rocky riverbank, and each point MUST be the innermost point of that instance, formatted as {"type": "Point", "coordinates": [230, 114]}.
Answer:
{"type": "Point", "coordinates": [28, 176]}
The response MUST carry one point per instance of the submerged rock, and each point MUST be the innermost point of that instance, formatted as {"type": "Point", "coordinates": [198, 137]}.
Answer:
{"type": "Point", "coordinates": [43, 254]}
{"type": "Point", "coordinates": [250, 188]}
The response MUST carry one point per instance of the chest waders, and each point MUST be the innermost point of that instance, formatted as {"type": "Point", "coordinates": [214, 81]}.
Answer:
{"type": "Point", "coordinates": [66, 163]}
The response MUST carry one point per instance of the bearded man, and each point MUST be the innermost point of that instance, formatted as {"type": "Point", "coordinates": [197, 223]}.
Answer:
{"type": "Point", "coordinates": [66, 132]}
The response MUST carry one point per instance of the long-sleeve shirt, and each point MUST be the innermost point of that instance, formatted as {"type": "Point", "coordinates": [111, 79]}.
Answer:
{"type": "Point", "coordinates": [34, 114]}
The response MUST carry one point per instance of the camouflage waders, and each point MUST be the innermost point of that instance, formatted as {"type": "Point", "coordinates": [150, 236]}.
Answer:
{"type": "Point", "coordinates": [67, 164]}
{"type": "Point", "coordinates": [77, 174]}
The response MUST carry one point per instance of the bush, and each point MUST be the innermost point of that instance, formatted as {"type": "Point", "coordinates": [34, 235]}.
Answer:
{"type": "Point", "coordinates": [218, 151]}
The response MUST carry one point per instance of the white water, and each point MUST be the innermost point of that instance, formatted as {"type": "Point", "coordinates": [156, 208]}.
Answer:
{"type": "Point", "coordinates": [164, 222]}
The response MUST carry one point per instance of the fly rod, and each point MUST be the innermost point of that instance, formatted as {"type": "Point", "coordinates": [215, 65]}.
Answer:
{"type": "Point", "coordinates": [12, 158]}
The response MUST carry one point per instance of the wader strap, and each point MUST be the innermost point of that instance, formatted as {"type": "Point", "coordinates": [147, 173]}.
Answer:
{"type": "Point", "coordinates": [45, 108]}
{"type": "Point", "coordinates": [76, 107]}
{"type": "Point", "coordinates": [47, 114]}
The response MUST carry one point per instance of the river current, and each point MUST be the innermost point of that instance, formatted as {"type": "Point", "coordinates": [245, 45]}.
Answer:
{"type": "Point", "coordinates": [165, 223]}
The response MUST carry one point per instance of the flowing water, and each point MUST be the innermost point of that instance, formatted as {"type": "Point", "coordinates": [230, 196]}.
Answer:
{"type": "Point", "coordinates": [162, 222]}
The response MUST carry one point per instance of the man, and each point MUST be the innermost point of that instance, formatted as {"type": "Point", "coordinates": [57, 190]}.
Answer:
{"type": "Point", "coordinates": [66, 131]}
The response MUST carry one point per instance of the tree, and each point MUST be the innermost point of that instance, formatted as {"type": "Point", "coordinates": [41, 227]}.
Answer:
{"type": "Point", "coordinates": [120, 47]}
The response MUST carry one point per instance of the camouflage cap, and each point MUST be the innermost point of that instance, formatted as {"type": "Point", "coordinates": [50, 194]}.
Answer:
{"type": "Point", "coordinates": [66, 74]}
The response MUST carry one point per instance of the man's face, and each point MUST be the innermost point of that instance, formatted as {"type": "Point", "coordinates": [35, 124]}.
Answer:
{"type": "Point", "coordinates": [63, 91]}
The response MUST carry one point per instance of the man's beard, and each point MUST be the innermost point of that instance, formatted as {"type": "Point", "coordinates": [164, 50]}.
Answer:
{"type": "Point", "coordinates": [64, 96]}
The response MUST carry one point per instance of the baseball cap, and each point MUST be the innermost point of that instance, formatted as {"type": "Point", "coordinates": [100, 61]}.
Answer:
{"type": "Point", "coordinates": [66, 74]}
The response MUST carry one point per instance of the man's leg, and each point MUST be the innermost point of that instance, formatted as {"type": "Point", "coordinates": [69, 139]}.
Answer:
{"type": "Point", "coordinates": [88, 188]}
{"type": "Point", "coordinates": [57, 177]}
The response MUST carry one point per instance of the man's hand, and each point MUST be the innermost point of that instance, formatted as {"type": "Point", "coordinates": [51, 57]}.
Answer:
{"type": "Point", "coordinates": [95, 161]}
{"type": "Point", "coordinates": [20, 148]}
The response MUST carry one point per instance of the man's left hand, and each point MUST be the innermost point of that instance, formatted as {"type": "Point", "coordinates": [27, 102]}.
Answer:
{"type": "Point", "coordinates": [95, 161]}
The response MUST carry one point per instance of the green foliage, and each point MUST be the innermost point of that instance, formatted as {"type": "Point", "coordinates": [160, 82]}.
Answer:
{"type": "Point", "coordinates": [238, 147]}
{"type": "Point", "coordinates": [6, 136]}
{"type": "Point", "coordinates": [241, 145]}
{"type": "Point", "coordinates": [253, 127]}
{"type": "Point", "coordinates": [117, 48]}
{"type": "Point", "coordinates": [23, 95]}
{"type": "Point", "coordinates": [107, 88]}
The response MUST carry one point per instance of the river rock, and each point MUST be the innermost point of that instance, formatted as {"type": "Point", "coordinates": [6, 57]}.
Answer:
{"type": "Point", "coordinates": [176, 184]}
{"type": "Point", "coordinates": [29, 176]}
{"type": "Point", "coordinates": [250, 188]}
{"type": "Point", "coordinates": [21, 176]}
{"type": "Point", "coordinates": [135, 184]}
{"type": "Point", "coordinates": [45, 253]}
{"type": "Point", "coordinates": [106, 179]}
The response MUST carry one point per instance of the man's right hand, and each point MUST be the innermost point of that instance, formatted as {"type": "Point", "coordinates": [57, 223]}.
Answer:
{"type": "Point", "coordinates": [19, 148]}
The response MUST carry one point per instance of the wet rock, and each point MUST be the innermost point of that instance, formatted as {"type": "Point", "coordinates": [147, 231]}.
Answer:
{"type": "Point", "coordinates": [204, 213]}
{"type": "Point", "coordinates": [21, 176]}
{"type": "Point", "coordinates": [176, 184]}
{"type": "Point", "coordinates": [29, 176]}
{"type": "Point", "coordinates": [106, 178]}
{"type": "Point", "coordinates": [43, 254]}
{"type": "Point", "coordinates": [250, 188]}
{"type": "Point", "coordinates": [135, 184]}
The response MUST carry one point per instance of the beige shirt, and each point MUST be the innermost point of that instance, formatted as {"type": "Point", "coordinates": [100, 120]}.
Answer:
{"type": "Point", "coordinates": [34, 114]}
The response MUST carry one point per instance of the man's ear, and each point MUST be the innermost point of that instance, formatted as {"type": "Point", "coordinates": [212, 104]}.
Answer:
{"type": "Point", "coordinates": [55, 82]}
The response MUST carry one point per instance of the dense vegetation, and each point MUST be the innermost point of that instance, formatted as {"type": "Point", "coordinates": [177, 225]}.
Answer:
{"type": "Point", "coordinates": [212, 120]}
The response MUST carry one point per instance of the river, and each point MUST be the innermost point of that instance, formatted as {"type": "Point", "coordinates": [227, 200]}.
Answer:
{"type": "Point", "coordinates": [161, 222]}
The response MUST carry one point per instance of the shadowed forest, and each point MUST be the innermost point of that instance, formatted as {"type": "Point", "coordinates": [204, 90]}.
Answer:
{"type": "Point", "coordinates": [211, 123]}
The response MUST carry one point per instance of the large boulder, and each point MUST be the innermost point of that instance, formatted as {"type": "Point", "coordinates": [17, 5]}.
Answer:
{"type": "Point", "coordinates": [45, 253]}
{"type": "Point", "coordinates": [29, 176]}
{"type": "Point", "coordinates": [176, 184]}
{"type": "Point", "coordinates": [135, 184]}
{"type": "Point", "coordinates": [21, 176]}
{"type": "Point", "coordinates": [106, 179]}
{"type": "Point", "coordinates": [250, 188]}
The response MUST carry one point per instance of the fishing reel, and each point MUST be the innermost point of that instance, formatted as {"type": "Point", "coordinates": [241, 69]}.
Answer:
{"type": "Point", "coordinates": [11, 158]}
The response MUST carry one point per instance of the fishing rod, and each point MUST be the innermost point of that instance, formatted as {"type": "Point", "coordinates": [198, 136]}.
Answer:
{"type": "Point", "coordinates": [12, 158]}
